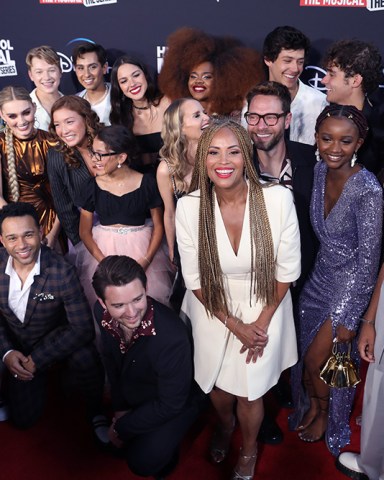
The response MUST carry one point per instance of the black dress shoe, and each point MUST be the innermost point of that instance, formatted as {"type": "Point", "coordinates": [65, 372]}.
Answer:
{"type": "Point", "coordinates": [270, 433]}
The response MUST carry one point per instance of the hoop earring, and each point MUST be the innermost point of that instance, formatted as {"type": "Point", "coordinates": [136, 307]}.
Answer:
{"type": "Point", "coordinates": [353, 160]}
{"type": "Point", "coordinates": [317, 155]}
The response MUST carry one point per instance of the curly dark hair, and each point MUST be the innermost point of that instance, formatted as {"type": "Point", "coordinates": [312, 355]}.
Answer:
{"type": "Point", "coordinates": [236, 68]}
{"type": "Point", "coordinates": [347, 111]}
{"type": "Point", "coordinates": [356, 57]}
{"type": "Point", "coordinates": [91, 121]}
{"type": "Point", "coordinates": [121, 106]}
{"type": "Point", "coordinates": [285, 37]}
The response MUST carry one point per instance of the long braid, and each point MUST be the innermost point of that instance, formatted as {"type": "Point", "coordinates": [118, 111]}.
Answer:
{"type": "Point", "coordinates": [262, 252]}
{"type": "Point", "coordinates": [9, 94]}
{"type": "Point", "coordinates": [13, 182]}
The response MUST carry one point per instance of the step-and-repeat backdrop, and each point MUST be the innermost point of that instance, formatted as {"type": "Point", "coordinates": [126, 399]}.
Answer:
{"type": "Point", "coordinates": [141, 27]}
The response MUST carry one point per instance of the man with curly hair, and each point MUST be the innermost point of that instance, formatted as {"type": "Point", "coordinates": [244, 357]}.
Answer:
{"type": "Point", "coordinates": [354, 71]}
{"type": "Point", "coordinates": [285, 50]}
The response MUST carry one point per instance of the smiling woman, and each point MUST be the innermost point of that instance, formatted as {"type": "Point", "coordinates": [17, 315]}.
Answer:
{"type": "Point", "coordinates": [216, 71]}
{"type": "Point", "coordinates": [240, 250]}
{"type": "Point", "coordinates": [346, 214]}
{"type": "Point", "coordinates": [73, 126]}
{"type": "Point", "coordinates": [23, 151]}
{"type": "Point", "coordinates": [121, 198]}
{"type": "Point", "coordinates": [138, 105]}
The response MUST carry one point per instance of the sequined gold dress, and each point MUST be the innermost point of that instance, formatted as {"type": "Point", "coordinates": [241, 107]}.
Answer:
{"type": "Point", "coordinates": [31, 169]}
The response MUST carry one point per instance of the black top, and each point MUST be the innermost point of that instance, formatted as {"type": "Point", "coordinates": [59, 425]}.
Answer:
{"type": "Point", "coordinates": [128, 209]}
{"type": "Point", "coordinates": [371, 153]}
{"type": "Point", "coordinates": [150, 142]}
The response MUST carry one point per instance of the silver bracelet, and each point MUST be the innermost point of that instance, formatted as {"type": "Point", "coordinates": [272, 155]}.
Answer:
{"type": "Point", "coordinates": [368, 322]}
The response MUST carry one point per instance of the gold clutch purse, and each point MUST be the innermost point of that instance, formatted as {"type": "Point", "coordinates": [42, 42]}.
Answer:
{"type": "Point", "coordinates": [339, 370]}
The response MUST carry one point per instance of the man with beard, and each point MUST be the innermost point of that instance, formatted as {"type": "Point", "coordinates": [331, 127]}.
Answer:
{"type": "Point", "coordinates": [290, 164]}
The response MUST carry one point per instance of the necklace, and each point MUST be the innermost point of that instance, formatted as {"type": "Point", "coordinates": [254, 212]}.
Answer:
{"type": "Point", "coordinates": [142, 108]}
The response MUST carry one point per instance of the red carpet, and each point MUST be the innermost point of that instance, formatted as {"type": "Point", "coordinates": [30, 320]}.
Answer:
{"type": "Point", "coordinates": [61, 447]}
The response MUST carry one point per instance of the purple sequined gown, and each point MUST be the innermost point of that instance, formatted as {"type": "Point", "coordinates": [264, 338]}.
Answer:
{"type": "Point", "coordinates": [340, 284]}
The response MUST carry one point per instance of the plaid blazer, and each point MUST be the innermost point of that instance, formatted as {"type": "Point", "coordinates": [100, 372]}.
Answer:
{"type": "Point", "coordinates": [58, 319]}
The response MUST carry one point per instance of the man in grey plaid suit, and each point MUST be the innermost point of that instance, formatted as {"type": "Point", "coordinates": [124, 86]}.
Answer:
{"type": "Point", "coordinates": [44, 318]}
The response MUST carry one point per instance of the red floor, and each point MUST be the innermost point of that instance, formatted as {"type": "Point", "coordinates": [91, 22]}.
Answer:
{"type": "Point", "coordinates": [61, 447]}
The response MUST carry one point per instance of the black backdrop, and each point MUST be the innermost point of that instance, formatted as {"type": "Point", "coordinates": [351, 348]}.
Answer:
{"type": "Point", "coordinates": [142, 26]}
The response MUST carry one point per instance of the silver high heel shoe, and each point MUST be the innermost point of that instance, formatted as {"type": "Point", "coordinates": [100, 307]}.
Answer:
{"type": "Point", "coordinates": [250, 459]}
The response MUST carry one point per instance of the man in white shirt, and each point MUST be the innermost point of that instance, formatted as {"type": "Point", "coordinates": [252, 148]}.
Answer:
{"type": "Point", "coordinates": [44, 319]}
{"type": "Point", "coordinates": [284, 51]}
{"type": "Point", "coordinates": [45, 72]}
{"type": "Point", "coordinates": [90, 65]}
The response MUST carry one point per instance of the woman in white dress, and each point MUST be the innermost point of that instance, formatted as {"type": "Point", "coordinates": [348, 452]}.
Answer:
{"type": "Point", "coordinates": [240, 250]}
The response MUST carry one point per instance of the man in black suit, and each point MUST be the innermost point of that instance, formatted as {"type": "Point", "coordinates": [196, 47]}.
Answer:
{"type": "Point", "coordinates": [283, 161]}
{"type": "Point", "coordinates": [44, 319]}
{"type": "Point", "coordinates": [148, 357]}
{"type": "Point", "coordinates": [290, 164]}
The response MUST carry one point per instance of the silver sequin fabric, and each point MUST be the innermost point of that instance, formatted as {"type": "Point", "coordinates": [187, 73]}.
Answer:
{"type": "Point", "coordinates": [340, 284]}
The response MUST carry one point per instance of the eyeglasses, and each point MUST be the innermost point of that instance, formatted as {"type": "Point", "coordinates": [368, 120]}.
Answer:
{"type": "Point", "coordinates": [99, 156]}
{"type": "Point", "coordinates": [270, 119]}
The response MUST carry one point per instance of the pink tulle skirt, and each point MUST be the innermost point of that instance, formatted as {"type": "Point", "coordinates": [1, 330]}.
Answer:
{"type": "Point", "coordinates": [133, 242]}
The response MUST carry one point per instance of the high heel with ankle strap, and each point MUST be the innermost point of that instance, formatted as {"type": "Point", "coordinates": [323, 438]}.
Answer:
{"type": "Point", "coordinates": [249, 458]}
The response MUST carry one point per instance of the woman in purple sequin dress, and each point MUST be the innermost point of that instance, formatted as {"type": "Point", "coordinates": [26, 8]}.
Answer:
{"type": "Point", "coordinates": [346, 214]}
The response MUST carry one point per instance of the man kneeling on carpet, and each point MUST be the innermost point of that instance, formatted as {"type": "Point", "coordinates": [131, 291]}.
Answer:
{"type": "Point", "coordinates": [148, 358]}
{"type": "Point", "coordinates": [44, 319]}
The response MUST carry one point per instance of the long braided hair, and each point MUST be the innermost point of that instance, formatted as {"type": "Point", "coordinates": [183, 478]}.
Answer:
{"type": "Point", "coordinates": [262, 252]}
{"type": "Point", "coordinates": [8, 94]}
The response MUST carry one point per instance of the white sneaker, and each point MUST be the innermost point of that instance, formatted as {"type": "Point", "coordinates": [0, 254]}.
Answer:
{"type": "Point", "coordinates": [347, 464]}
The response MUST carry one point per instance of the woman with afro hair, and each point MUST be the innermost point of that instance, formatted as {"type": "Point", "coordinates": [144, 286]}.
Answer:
{"type": "Point", "coordinates": [216, 71]}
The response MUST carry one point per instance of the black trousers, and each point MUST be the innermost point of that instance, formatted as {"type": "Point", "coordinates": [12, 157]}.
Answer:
{"type": "Point", "coordinates": [27, 398]}
{"type": "Point", "coordinates": [151, 454]}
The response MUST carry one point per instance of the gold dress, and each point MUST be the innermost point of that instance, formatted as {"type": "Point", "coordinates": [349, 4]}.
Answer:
{"type": "Point", "coordinates": [31, 170]}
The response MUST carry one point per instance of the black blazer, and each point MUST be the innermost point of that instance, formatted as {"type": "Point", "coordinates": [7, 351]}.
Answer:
{"type": "Point", "coordinates": [67, 183]}
{"type": "Point", "coordinates": [303, 161]}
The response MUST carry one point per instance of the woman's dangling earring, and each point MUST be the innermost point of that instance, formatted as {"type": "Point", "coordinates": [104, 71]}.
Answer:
{"type": "Point", "coordinates": [317, 155]}
{"type": "Point", "coordinates": [119, 165]}
{"type": "Point", "coordinates": [353, 160]}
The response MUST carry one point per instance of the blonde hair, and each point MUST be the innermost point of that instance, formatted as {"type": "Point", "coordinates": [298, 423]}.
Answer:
{"type": "Point", "coordinates": [8, 94]}
{"type": "Point", "coordinates": [262, 251]}
{"type": "Point", "coordinates": [175, 148]}
{"type": "Point", "coordinates": [44, 52]}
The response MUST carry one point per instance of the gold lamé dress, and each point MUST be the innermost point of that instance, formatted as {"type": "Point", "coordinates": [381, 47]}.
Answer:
{"type": "Point", "coordinates": [31, 169]}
